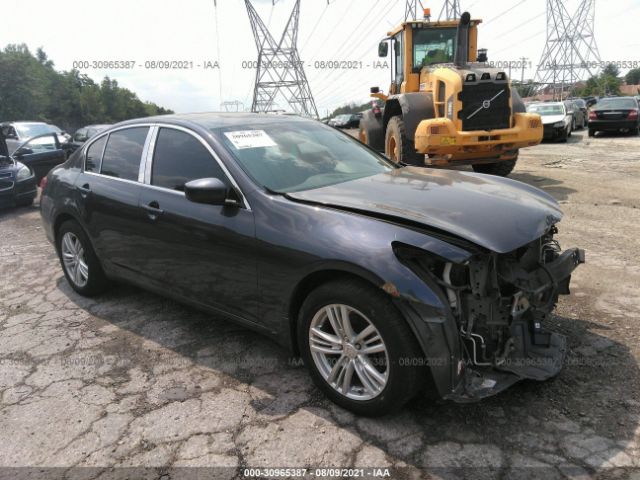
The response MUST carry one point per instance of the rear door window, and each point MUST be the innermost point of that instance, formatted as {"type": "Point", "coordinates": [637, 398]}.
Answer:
{"type": "Point", "coordinates": [123, 153]}
{"type": "Point", "coordinates": [179, 158]}
{"type": "Point", "coordinates": [94, 155]}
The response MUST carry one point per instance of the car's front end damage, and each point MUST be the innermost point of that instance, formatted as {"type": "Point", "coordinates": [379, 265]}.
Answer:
{"type": "Point", "coordinates": [497, 304]}
{"type": "Point", "coordinates": [482, 272]}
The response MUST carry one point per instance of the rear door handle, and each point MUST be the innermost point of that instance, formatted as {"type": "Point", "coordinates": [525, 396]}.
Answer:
{"type": "Point", "coordinates": [153, 210]}
{"type": "Point", "coordinates": [84, 190]}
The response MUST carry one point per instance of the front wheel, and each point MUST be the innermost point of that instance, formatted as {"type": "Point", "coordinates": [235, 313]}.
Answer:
{"type": "Point", "coordinates": [397, 145]}
{"type": "Point", "coordinates": [592, 132]}
{"type": "Point", "coordinates": [501, 169]}
{"type": "Point", "coordinates": [360, 351]}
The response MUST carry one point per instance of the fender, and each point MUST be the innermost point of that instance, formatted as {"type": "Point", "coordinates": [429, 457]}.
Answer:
{"type": "Point", "coordinates": [413, 107]}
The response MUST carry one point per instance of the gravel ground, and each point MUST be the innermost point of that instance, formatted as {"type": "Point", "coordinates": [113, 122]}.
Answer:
{"type": "Point", "coordinates": [130, 379]}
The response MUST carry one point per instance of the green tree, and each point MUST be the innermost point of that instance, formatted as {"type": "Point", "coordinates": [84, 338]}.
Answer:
{"type": "Point", "coordinates": [31, 89]}
{"type": "Point", "coordinates": [606, 83]}
{"type": "Point", "coordinates": [633, 77]}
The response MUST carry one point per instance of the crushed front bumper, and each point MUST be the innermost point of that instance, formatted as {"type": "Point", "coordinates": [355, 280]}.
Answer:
{"type": "Point", "coordinates": [534, 354]}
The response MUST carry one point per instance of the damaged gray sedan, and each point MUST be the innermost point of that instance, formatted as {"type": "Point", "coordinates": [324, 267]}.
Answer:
{"type": "Point", "coordinates": [387, 280]}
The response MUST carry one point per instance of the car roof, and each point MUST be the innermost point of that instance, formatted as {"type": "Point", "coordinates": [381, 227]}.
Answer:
{"type": "Point", "coordinates": [24, 123]}
{"type": "Point", "coordinates": [214, 120]}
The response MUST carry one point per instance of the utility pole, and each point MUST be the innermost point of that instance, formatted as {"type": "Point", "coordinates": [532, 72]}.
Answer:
{"type": "Point", "coordinates": [571, 53]}
{"type": "Point", "coordinates": [280, 71]}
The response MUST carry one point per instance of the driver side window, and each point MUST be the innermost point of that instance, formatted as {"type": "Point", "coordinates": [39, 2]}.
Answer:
{"type": "Point", "coordinates": [179, 157]}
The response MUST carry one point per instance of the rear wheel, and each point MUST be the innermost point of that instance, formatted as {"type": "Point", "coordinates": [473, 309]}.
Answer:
{"type": "Point", "coordinates": [79, 262]}
{"type": "Point", "coordinates": [592, 132]}
{"type": "Point", "coordinates": [398, 147]}
{"type": "Point", "coordinates": [501, 169]}
{"type": "Point", "coordinates": [359, 349]}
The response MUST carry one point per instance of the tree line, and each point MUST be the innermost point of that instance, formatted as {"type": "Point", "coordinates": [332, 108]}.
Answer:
{"type": "Point", "coordinates": [32, 89]}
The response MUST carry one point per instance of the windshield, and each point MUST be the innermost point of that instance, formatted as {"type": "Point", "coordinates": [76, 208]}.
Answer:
{"type": "Point", "coordinates": [343, 118]}
{"type": "Point", "coordinates": [546, 110]}
{"type": "Point", "coordinates": [32, 129]}
{"type": "Point", "coordinates": [617, 103]}
{"type": "Point", "coordinates": [433, 45]}
{"type": "Point", "coordinates": [296, 156]}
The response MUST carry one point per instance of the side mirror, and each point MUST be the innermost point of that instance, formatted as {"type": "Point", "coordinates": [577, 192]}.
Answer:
{"type": "Point", "coordinates": [383, 49]}
{"type": "Point", "coordinates": [482, 55]}
{"type": "Point", "coordinates": [206, 190]}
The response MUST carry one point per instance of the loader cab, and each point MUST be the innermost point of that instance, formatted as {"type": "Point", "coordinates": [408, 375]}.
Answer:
{"type": "Point", "coordinates": [417, 44]}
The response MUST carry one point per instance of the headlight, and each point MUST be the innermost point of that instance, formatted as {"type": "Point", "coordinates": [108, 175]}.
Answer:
{"type": "Point", "coordinates": [24, 172]}
{"type": "Point", "coordinates": [558, 124]}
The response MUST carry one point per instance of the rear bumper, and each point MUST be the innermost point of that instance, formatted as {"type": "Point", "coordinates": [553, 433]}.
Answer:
{"type": "Point", "coordinates": [612, 125]}
{"type": "Point", "coordinates": [439, 137]}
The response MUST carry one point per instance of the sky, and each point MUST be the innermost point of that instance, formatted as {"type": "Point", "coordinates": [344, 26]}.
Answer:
{"type": "Point", "coordinates": [201, 35]}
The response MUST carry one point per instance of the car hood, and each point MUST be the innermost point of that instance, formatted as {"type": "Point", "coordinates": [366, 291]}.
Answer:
{"type": "Point", "coordinates": [547, 119]}
{"type": "Point", "coordinates": [496, 213]}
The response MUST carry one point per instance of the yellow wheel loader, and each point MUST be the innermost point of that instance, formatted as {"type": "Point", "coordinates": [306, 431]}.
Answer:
{"type": "Point", "coordinates": [445, 106]}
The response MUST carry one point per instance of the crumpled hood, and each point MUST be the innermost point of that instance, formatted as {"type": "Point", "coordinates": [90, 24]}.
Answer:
{"type": "Point", "coordinates": [548, 119]}
{"type": "Point", "coordinates": [496, 213]}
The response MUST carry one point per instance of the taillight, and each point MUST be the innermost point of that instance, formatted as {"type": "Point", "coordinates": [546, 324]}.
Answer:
{"type": "Point", "coordinates": [633, 114]}
{"type": "Point", "coordinates": [43, 182]}
{"type": "Point", "coordinates": [592, 115]}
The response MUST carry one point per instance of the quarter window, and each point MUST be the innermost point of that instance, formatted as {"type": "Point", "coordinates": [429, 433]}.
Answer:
{"type": "Point", "coordinates": [124, 152]}
{"type": "Point", "coordinates": [94, 155]}
{"type": "Point", "coordinates": [179, 158]}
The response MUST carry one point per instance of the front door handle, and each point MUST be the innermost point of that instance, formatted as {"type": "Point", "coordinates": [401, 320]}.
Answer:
{"type": "Point", "coordinates": [85, 190]}
{"type": "Point", "coordinates": [153, 210]}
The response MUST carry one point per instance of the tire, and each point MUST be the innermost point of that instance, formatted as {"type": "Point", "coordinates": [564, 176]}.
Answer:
{"type": "Point", "coordinates": [501, 169]}
{"type": "Point", "coordinates": [88, 284]}
{"type": "Point", "coordinates": [569, 132]}
{"type": "Point", "coordinates": [592, 132]}
{"type": "Point", "coordinates": [362, 303]}
{"type": "Point", "coordinates": [404, 151]}
{"type": "Point", "coordinates": [573, 125]}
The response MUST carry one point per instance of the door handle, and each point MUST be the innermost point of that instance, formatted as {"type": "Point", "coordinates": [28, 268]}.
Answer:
{"type": "Point", "coordinates": [153, 210]}
{"type": "Point", "coordinates": [84, 190]}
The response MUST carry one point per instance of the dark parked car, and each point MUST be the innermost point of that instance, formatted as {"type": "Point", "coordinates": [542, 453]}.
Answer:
{"type": "Point", "coordinates": [346, 121]}
{"type": "Point", "coordinates": [16, 133]}
{"type": "Point", "coordinates": [557, 119]}
{"type": "Point", "coordinates": [85, 133]}
{"type": "Point", "coordinates": [384, 278]}
{"type": "Point", "coordinates": [17, 181]}
{"type": "Point", "coordinates": [614, 114]}
{"type": "Point", "coordinates": [578, 108]}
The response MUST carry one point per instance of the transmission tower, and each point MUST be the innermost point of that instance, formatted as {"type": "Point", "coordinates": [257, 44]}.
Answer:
{"type": "Point", "coordinates": [232, 106]}
{"type": "Point", "coordinates": [279, 69]}
{"type": "Point", "coordinates": [411, 9]}
{"type": "Point", "coordinates": [450, 10]}
{"type": "Point", "coordinates": [571, 52]}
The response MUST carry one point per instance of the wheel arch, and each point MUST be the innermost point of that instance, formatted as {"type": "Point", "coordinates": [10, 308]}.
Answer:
{"type": "Point", "coordinates": [413, 107]}
{"type": "Point", "coordinates": [313, 280]}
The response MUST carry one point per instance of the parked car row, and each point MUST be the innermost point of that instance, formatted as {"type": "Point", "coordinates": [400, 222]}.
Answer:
{"type": "Point", "coordinates": [610, 114]}
{"type": "Point", "coordinates": [28, 151]}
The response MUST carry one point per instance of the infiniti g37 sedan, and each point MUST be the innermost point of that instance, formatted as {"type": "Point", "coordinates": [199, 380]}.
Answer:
{"type": "Point", "coordinates": [388, 280]}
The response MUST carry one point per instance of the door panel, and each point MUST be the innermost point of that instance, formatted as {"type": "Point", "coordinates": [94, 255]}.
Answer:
{"type": "Point", "coordinates": [204, 252]}
{"type": "Point", "coordinates": [41, 154]}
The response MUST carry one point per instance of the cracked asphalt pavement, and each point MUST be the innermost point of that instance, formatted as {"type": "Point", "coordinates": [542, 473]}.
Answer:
{"type": "Point", "coordinates": [130, 379]}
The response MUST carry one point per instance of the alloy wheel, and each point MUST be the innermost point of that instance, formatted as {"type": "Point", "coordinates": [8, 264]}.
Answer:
{"type": "Point", "coordinates": [73, 257]}
{"type": "Point", "coordinates": [349, 352]}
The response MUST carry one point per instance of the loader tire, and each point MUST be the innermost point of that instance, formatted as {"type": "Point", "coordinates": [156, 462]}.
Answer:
{"type": "Point", "coordinates": [501, 169]}
{"type": "Point", "coordinates": [398, 147]}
